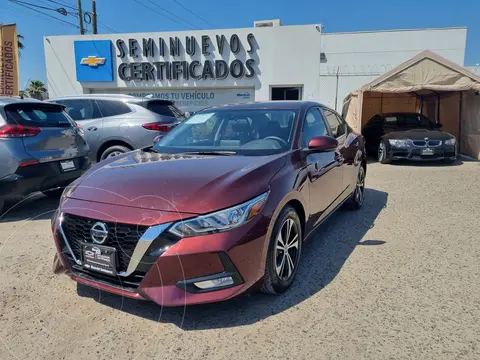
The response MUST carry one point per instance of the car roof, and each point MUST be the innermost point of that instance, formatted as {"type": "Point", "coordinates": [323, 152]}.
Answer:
{"type": "Point", "coordinates": [118, 97]}
{"type": "Point", "coordinates": [399, 113]}
{"type": "Point", "coordinates": [95, 96]}
{"type": "Point", "coordinates": [6, 100]}
{"type": "Point", "coordinates": [267, 105]}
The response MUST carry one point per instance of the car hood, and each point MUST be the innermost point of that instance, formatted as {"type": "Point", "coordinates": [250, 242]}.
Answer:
{"type": "Point", "coordinates": [419, 134]}
{"type": "Point", "coordinates": [174, 182]}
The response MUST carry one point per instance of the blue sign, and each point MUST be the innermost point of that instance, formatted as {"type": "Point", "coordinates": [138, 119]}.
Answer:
{"type": "Point", "coordinates": [93, 60]}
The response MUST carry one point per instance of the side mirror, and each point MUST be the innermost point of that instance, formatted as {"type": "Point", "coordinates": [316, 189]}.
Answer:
{"type": "Point", "coordinates": [322, 144]}
{"type": "Point", "coordinates": [438, 126]}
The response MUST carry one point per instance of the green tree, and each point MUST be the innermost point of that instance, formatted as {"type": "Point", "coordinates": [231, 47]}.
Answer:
{"type": "Point", "coordinates": [23, 93]}
{"type": "Point", "coordinates": [21, 46]}
{"type": "Point", "coordinates": [36, 89]}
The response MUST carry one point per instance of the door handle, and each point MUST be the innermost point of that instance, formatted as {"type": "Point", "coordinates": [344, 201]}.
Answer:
{"type": "Point", "coordinates": [92, 128]}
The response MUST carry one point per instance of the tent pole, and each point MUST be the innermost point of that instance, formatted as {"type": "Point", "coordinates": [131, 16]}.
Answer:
{"type": "Point", "coordinates": [438, 109]}
{"type": "Point", "coordinates": [460, 122]}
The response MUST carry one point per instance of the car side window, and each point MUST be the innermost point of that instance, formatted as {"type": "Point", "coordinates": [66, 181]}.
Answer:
{"type": "Point", "coordinates": [79, 109]}
{"type": "Point", "coordinates": [113, 108]}
{"type": "Point", "coordinates": [336, 125]}
{"type": "Point", "coordinates": [313, 126]}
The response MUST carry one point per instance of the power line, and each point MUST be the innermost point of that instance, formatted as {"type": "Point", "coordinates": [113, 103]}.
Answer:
{"type": "Point", "coordinates": [155, 11]}
{"type": "Point", "coordinates": [63, 4]}
{"type": "Point", "coordinates": [37, 6]}
{"type": "Point", "coordinates": [43, 13]}
{"type": "Point", "coordinates": [106, 27]}
{"type": "Point", "coordinates": [191, 12]}
{"type": "Point", "coordinates": [179, 18]}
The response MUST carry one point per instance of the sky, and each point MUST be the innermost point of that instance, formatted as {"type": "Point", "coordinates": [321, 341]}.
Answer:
{"type": "Point", "coordinates": [124, 16]}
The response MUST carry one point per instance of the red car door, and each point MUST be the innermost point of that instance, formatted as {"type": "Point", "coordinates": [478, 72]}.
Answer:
{"type": "Point", "coordinates": [324, 169]}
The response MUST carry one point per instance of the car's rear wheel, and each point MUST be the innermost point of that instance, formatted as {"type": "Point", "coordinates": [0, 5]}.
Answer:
{"type": "Point", "coordinates": [356, 200]}
{"type": "Point", "coordinates": [383, 157]}
{"type": "Point", "coordinates": [284, 252]}
{"type": "Point", "coordinates": [113, 151]}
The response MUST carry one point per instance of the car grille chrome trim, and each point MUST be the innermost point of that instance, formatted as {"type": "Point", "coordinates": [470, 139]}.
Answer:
{"type": "Point", "coordinates": [139, 251]}
{"type": "Point", "coordinates": [142, 246]}
{"type": "Point", "coordinates": [66, 240]}
{"type": "Point", "coordinates": [424, 143]}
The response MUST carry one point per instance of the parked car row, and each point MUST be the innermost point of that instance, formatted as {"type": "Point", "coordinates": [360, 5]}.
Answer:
{"type": "Point", "coordinates": [46, 145]}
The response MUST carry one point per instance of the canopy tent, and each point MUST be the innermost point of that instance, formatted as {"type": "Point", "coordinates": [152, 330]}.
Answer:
{"type": "Point", "coordinates": [429, 84]}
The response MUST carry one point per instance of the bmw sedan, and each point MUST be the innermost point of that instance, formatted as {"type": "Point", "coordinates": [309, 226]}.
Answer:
{"type": "Point", "coordinates": [222, 204]}
{"type": "Point", "coordinates": [408, 136]}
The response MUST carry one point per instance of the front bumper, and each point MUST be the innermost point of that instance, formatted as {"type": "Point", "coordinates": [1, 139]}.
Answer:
{"type": "Point", "coordinates": [40, 177]}
{"type": "Point", "coordinates": [415, 153]}
{"type": "Point", "coordinates": [169, 278]}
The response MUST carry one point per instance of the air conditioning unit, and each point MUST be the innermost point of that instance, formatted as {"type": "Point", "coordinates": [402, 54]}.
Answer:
{"type": "Point", "coordinates": [267, 23]}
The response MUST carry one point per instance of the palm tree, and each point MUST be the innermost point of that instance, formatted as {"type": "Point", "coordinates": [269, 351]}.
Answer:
{"type": "Point", "coordinates": [36, 89]}
{"type": "Point", "coordinates": [23, 93]}
{"type": "Point", "coordinates": [20, 44]}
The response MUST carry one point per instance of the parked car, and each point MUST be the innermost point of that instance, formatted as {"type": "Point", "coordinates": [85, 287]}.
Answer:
{"type": "Point", "coordinates": [408, 136]}
{"type": "Point", "coordinates": [221, 204]}
{"type": "Point", "coordinates": [115, 124]}
{"type": "Point", "coordinates": [40, 148]}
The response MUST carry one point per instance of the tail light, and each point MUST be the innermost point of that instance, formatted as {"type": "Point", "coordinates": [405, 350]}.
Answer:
{"type": "Point", "coordinates": [29, 162]}
{"type": "Point", "coordinates": [79, 128]}
{"type": "Point", "coordinates": [159, 126]}
{"type": "Point", "coordinates": [18, 131]}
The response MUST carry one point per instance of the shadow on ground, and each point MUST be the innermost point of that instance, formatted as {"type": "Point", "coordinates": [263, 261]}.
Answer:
{"type": "Point", "coordinates": [323, 257]}
{"type": "Point", "coordinates": [427, 163]}
{"type": "Point", "coordinates": [35, 207]}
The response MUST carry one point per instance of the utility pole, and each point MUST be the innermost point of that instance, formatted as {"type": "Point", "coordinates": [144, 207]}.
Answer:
{"type": "Point", "coordinates": [94, 17]}
{"type": "Point", "coordinates": [80, 17]}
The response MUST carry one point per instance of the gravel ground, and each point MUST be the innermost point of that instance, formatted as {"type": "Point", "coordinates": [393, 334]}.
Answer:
{"type": "Point", "coordinates": [397, 280]}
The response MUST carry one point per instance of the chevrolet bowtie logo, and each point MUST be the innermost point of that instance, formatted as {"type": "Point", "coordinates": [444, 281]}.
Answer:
{"type": "Point", "coordinates": [92, 61]}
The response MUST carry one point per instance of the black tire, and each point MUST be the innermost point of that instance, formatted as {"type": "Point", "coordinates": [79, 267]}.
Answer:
{"type": "Point", "coordinates": [53, 193]}
{"type": "Point", "coordinates": [113, 151]}
{"type": "Point", "coordinates": [2, 203]}
{"type": "Point", "coordinates": [356, 200]}
{"type": "Point", "coordinates": [273, 283]}
{"type": "Point", "coordinates": [449, 161]}
{"type": "Point", "coordinates": [382, 153]}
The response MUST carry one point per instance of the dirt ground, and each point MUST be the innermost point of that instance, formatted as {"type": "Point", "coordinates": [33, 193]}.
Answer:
{"type": "Point", "coordinates": [397, 280]}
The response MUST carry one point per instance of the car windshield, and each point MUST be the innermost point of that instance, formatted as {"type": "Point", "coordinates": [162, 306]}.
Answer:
{"type": "Point", "coordinates": [242, 132]}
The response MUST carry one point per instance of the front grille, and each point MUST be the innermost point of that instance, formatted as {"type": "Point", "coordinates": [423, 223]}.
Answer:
{"type": "Point", "coordinates": [123, 237]}
{"type": "Point", "coordinates": [424, 143]}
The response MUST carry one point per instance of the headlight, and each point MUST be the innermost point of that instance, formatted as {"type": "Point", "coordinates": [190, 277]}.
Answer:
{"type": "Point", "coordinates": [450, 142]}
{"type": "Point", "coordinates": [398, 143]}
{"type": "Point", "coordinates": [221, 220]}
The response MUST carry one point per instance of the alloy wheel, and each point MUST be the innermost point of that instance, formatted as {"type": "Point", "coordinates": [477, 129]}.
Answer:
{"type": "Point", "coordinates": [113, 154]}
{"type": "Point", "coordinates": [381, 151]}
{"type": "Point", "coordinates": [287, 249]}
{"type": "Point", "coordinates": [360, 186]}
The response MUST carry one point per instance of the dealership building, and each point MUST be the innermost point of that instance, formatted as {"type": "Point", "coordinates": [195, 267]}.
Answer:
{"type": "Point", "coordinates": [197, 69]}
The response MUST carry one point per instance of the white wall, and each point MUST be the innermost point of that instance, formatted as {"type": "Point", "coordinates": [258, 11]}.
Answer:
{"type": "Point", "coordinates": [287, 55]}
{"type": "Point", "coordinates": [362, 56]}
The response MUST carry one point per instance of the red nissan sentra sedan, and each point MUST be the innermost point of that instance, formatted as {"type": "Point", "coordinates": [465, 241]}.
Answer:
{"type": "Point", "coordinates": [221, 204]}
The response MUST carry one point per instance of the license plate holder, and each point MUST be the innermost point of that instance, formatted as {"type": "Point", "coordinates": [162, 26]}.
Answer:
{"type": "Point", "coordinates": [99, 258]}
{"type": "Point", "coordinates": [67, 165]}
{"type": "Point", "coordinates": [427, 151]}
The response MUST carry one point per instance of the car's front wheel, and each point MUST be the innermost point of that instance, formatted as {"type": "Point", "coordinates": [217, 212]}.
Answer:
{"type": "Point", "coordinates": [284, 252]}
{"type": "Point", "coordinates": [383, 157]}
